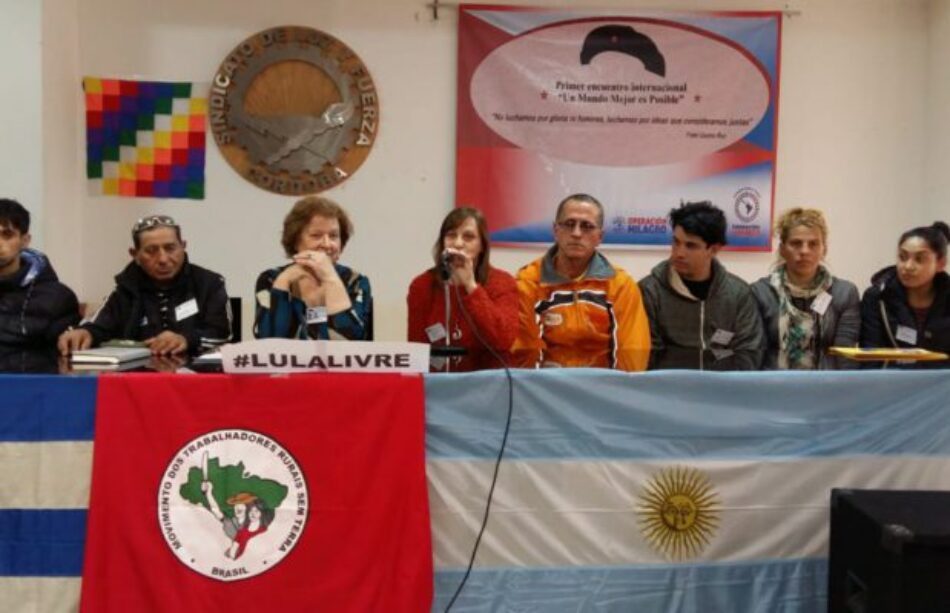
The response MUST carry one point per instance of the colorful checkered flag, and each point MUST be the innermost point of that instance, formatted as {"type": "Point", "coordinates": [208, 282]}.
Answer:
{"type": "Point", "coordinates": [145, 138]}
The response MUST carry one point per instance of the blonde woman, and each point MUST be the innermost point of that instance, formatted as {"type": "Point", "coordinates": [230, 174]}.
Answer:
{"type": "Point", "coordinates": [804, 307]}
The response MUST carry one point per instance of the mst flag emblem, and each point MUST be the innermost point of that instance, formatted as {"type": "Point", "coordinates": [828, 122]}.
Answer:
{"type": "Point", "coordinates": [214, 493]}
{"type": "Point", "coordinates": [232, 504]}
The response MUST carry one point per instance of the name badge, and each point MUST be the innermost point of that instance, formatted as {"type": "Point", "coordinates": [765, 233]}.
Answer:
{"type": "Point", "coordinates": [722, 337]}
{"type": "Point", "coordinates": [821, 302]}
{"type": "Point", "coordinates": [908, 335]}
{"type": "Point", "coordinates": [316, 315]}
{"type": "Point", "coordinates": [186, 309]}
{"type": "Point", "coordinates": [435, 332]}
{"type": "Point", "coordinates": [721, 354]}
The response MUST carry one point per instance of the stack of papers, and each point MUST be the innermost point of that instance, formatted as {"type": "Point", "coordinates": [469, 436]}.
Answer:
{"type": "Point", "coordinates": [110, 357]}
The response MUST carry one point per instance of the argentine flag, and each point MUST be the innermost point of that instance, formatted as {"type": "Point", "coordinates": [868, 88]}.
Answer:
{"type": "Point", "coordinates": [666, 491]}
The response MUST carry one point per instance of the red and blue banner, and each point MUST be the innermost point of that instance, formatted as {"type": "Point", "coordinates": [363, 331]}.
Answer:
{"type": "Point", "coordinates": [212, 492]}
{"type": "Point", "coordinates": [666, 491]}
{"type": "Point", "coordinates": [643, 110]}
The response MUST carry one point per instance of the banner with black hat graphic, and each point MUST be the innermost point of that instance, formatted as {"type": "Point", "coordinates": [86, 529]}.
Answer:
{"type": "Point", "coordinates": [641, 109]}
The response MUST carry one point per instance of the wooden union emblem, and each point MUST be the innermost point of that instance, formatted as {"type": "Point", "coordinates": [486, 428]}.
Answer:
{"type": "Point", "coordinates": [294, 110]}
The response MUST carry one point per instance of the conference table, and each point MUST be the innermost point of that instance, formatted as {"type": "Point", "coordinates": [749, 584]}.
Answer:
{"type": "Point", "coordinates": [666, 490]}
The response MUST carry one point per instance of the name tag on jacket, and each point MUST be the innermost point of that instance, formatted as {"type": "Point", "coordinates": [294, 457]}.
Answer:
{"type": "Point", "coordinates": [186, 309]}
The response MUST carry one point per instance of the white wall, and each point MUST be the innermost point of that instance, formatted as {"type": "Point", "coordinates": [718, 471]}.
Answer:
{"type": "Point", "coordinates": [854, 133]}
{"type": "Point", "coordinates": [21, 148]}
{"type": "Point", "coordinates": [63, 169]}
{"type": "Point", "coordinates": [937, 195]}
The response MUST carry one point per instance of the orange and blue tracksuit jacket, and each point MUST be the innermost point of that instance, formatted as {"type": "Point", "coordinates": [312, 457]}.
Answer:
{"type": "Point", "coordinates": [597, 320]}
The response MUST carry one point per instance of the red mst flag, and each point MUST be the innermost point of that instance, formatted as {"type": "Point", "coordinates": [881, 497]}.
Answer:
{"type": "Point", "coordinates": [235, 493]}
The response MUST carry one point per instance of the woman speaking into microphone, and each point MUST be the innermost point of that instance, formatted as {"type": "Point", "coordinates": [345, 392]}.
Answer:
{"type": "Point", "coordinates": [482, 301]}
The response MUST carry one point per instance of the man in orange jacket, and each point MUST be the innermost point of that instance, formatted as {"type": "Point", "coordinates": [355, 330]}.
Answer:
{"type": "Point", "coordinates": [578, 309]}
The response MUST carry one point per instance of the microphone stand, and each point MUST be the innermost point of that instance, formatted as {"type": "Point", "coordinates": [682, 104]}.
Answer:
{"type": "Point", "coordinates": [447, 350]}
{"type": "Point", "coordinates": [447, 292]}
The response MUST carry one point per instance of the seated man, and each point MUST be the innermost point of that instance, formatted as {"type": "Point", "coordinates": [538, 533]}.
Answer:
{"type": "Point", "coordinates": [34, 306]}
{"type": "Point", "coordinates": [577, 309]}
{"type": "Point", "coordinates": [160, 298]}
{"type": "Point", "coordinates": [693, 302]}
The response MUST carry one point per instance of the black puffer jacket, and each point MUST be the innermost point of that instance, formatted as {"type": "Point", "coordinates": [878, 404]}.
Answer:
{"type": "Point", "coordinates": [29, 359]}
{"type": "Point", "coordinates": [34, 306]}
{"type": "Point", "coordinates": [137, 309]}
{"type": "Point", "coordinates": [886, 290]}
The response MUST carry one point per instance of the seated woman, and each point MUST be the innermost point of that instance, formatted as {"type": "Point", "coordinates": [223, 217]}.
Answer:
{"type": "Point", "coordinates": [908, 305]}
{"type": "Point", "coordinates": [314, 297]}
{"type": "Point", "coordinates": [805, 308]}
{"type": "Point", "coordinates": [488, 295]}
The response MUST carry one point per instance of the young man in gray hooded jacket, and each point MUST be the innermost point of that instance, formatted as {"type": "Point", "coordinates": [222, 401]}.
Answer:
{"type": "Point", "coordinates": [693, 302]}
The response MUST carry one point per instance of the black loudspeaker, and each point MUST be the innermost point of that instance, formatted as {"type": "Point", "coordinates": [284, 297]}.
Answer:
{"type": "Point", "coordinates": [889, 552]}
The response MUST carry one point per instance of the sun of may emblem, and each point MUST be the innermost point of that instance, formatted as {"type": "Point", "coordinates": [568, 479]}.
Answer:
{"type": "Point", "coordinates": [679, 512]}
{"type": "Point", "coordinates": [232, 504]}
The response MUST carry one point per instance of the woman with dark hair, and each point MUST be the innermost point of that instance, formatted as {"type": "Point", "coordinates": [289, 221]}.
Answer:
{"type": "Point", "coordinates": [804, 307]}
{"type": "Point", "coordinates": [488, 295]}
{"type": "Point", "coordinates": [314, 297]}
{"type": "Point", "coordinates": [258, 518]}
{"type": "Point", "coordinates": [908, 305]}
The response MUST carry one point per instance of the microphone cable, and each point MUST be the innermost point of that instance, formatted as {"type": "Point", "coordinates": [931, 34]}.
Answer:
{"type": "Point", "coordinates": [501, 449]}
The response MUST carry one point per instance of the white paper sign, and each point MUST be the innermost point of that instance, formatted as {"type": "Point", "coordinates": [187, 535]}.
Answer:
{"type": "Point", "coordinates": [186, 309]}
{"type": "Point", "coordinates": [435, 332]}
{"type": "Point", "coordinates": [281, 355]}
{"type": "Point", "coordinates": [908, 335]}
{"type": "Point", "coordinates": [722, 337]}
{"type": "Point", "coordinates": [721, 354]}
{"type": "Point", "coordinates": [316, 315]}
{"type": "Point", "coordinates": [821, 302]}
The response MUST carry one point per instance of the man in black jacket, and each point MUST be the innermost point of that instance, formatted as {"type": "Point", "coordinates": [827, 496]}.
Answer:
{"type": "Point", "coordinates": [34, 306]}
{"type": "Point", "coordinates": [161, 299]}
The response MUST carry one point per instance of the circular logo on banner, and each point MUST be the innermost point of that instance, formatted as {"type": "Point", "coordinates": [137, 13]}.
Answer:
{"type": "Point", "coordinates": [293, 110]}
{"type": "Point", "coordinates": [232, 504]}
{"type": "Point", "coordinates": [679, 512]}
{"type": "Point", "coordinates": [747, 204]}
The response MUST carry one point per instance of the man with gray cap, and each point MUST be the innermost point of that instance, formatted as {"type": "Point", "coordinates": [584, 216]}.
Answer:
{"type": "Point", "coordinates": [160, 298]}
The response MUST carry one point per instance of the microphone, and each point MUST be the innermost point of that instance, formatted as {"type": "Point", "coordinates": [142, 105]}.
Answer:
{"type": "Point", "coordinates": [445, 266]}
